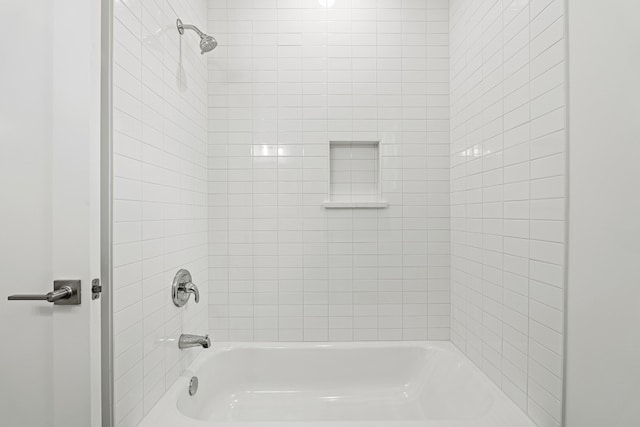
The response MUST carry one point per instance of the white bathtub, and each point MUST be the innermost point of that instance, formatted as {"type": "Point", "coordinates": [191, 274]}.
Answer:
{"type": "Point", "coordinates": [427, 384]}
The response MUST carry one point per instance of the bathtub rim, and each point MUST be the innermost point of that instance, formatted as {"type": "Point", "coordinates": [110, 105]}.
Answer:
{"type": "Point", "coordinates": [165, 412]}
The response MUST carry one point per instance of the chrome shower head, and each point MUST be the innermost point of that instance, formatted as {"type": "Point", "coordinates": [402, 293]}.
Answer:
{"type": "Point", "coordinates": [207, 43]}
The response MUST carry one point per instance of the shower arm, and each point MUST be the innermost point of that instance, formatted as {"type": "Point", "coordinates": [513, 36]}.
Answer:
{"type": "Point", "coordinates": [182, 27]}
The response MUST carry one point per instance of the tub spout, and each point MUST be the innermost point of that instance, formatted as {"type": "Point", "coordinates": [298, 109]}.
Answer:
{"type": "Point", "coordinates": [188, 341]}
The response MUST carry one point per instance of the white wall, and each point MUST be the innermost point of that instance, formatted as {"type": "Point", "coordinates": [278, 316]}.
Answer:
{"type": "Point", "coordinates": [288, 77]}
{"type": "Point", "coordinates": [603, 341]}
{"type": "Point", "coordinates": [160, 196]}
{"type": "Point", "coordinates": [26, 99]}
{"type": "Point", "coordinates": [508, 195]}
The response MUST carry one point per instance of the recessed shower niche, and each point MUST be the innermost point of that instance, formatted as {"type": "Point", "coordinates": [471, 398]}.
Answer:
{"type": "Point", "coordinates": [354, 175]}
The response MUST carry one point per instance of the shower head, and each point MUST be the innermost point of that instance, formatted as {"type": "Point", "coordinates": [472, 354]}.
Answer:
{"type": "Point", "coordinates": [207, 43]}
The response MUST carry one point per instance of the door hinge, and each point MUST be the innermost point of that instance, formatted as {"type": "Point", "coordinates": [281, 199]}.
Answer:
{"type": "Point", "coordinates": [96, 289]}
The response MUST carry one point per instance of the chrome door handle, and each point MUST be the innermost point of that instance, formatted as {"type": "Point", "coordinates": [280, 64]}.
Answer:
{"type": "Point", "coordinates": [65, 292]}
{"type": "Point", "coordinates": [53, 296]}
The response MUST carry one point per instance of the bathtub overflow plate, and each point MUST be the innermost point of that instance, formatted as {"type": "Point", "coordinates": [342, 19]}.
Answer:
{"type": "Point", "coordinates": [193, 386]}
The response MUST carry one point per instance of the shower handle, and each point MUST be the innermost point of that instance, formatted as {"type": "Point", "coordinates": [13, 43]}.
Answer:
{"type": "Point", "coordinates": [182, 288]}
{"type": "Point", "coordinates": [65, 292]}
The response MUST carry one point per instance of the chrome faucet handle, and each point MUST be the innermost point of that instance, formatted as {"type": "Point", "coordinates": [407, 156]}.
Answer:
{"type": "Point", "coordinates": [182, 288]}
{"type": "Point", "coordinates": [191, 288]}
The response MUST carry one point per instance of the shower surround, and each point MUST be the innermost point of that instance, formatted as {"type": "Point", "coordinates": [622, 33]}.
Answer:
{"type": "Point", "coordinates": [159, 197]}
{"type": "Point", "coordinates": [508, 196]}
{"type": "Point", "coordinates": [465, 100]}
{"type": "Point", "coordinates": [288, 77]}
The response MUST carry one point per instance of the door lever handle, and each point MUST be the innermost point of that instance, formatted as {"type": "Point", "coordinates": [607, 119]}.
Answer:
{"type": "Point", "coordinates": [65, 292]}
{"type": "Point", "coordinates": [53, 296]}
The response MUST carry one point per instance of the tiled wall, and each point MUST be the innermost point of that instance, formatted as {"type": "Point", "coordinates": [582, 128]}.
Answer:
{"type": "Point", "coordinates": [508, 195]}
{"type": "Point", "coordinates": [288, 77]}
{"type": "Point", "coordinates": [160, 196]}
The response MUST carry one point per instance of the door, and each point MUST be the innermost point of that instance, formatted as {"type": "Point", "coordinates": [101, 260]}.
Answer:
{"type": "Point", "coordinates": [49, 211]}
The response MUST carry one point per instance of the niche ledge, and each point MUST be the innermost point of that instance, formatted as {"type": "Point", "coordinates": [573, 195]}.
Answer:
{"type": "Point", "coordinates": [381, 204]}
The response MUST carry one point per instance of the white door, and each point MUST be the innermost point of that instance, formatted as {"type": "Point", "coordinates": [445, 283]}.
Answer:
{"type": "Point", "coordinates": [49, 211]}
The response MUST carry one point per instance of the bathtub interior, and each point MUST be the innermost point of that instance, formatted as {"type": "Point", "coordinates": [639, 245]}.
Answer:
{"type": "Point", "coordinates": [329, 383]}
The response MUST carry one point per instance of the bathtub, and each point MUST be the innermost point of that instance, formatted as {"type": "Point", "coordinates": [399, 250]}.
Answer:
{"type": "Point", "coordinates": [407, 384]}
